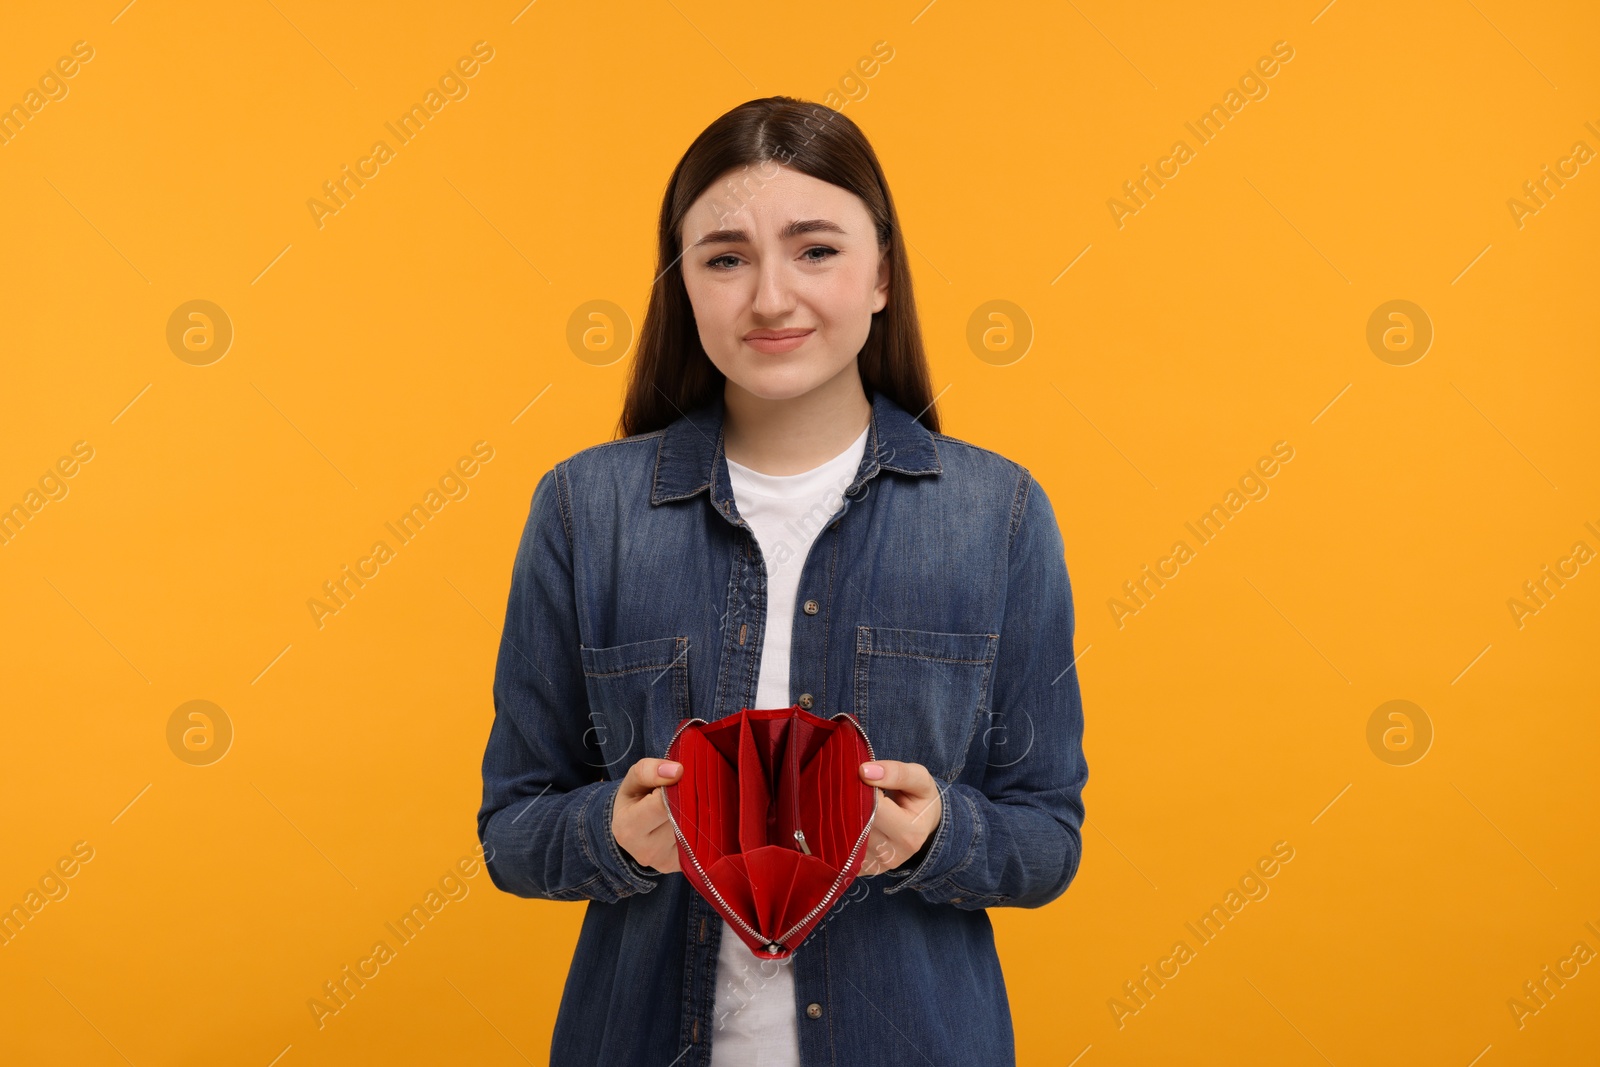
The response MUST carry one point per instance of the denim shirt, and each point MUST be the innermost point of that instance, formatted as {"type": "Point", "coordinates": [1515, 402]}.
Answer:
{"type": "Point", "coordinates": [934, 606]}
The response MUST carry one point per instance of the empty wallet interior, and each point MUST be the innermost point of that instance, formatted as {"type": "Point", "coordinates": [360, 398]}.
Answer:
{"type": "Point", "coordinates": [751, 782]}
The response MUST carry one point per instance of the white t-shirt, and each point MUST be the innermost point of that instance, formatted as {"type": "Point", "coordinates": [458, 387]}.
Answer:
{"type": "Point", "coordinates": [756, 1014]}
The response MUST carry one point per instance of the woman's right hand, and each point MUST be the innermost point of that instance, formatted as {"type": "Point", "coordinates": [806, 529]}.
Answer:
{"type": "Point", "coordinates": [639, 815]}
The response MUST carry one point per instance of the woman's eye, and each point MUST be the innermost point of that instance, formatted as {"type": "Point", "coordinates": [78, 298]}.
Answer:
{"type": "Point", "coordinates": [728, 261]}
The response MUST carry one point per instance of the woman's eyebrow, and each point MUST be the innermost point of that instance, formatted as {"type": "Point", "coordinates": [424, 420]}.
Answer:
{"type": "Point", "coordinates": [794, 229]}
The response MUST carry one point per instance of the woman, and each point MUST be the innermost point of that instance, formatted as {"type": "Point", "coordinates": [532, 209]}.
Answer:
{"type": "Point", "coordinates": [781, 522]}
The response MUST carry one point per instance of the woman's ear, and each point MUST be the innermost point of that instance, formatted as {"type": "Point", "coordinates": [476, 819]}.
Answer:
{"type": "Point", "coordinates": [880, 298]}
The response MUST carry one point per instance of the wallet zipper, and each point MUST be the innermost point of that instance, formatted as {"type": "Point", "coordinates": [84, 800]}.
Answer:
{"type": "Point", "coordinates": [792, 753]}
{"type": "Point", "coordinates": [865, 830]}
{"type": "Point", "coordinates": [705, 879]}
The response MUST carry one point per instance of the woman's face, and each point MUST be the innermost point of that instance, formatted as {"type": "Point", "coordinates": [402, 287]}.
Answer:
{"type": "Point", "coordinates": [783, 272]}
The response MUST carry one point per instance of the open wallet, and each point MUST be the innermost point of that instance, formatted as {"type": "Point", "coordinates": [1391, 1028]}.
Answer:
{"type": "Point", "coordinates": [771, 817]}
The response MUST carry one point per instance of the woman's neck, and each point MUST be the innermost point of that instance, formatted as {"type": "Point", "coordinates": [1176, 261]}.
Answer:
{"type": "Point", "coordinates": [796, 434]}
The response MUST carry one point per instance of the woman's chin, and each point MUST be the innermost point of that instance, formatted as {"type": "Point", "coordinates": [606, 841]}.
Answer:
{"type": "Point", "coordinates": [777, 383]}
{"type": "Point", "coordinates": [775, 378]}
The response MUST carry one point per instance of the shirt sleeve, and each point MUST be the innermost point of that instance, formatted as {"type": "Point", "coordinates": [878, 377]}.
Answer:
{"type": "Point", "coordinates": [1017, 840]}
{"type": "Point", "coordinates": [545, 821]}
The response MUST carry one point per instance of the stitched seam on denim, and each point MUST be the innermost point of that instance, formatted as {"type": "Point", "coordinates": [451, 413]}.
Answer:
{"type": "Point", "coordinates": [655, 478]}
{"type": "Point", "coordinates": [633, 439]}
{"type": "Point", "coordinates": [943, 882]}
{"type": "Point", "coordinates": [680, 680]}
{"type": "Point", "coordinates": [827, 618]}
{"type": "Point", "coordinates": [583, 835]}
{"type": "Point", "coordinates": [939, 659]}
{"type": "Point", "coordinates": [708, 1012]}
{"type": "Point", "coordinates": [655, 472]}
{"type": "Point", "coordinates": [877, 459]}
{"type": "Point", "coordinates": [858, 679]}
{"type": "Point", "coordinates": [937, 468]}
{"type": "Point", "coordinates": [827, 984]}
{"type": "Point", "coordinates": [633, 670]}
{"type": "Point", "coordinates": [577, 892]}
{"type": "Point", "coordinates": [977, 831]}
{"type": "Point", "coordinates": [693, 948]}
{"type": "Point", "coordinates": [734, 610]}
{"type": "Point", "coordinates": [636, 868]}
{"type": "Point", "coordinates": [984, 698]}
{"type": "Point", "coordinates": [971, 895]}
{"type": "Point", "coordinates": [944, 843]}
{"type": "Point", "coordinates": [977, 838]}
{"type": "Point", "coordinates": [562, 503]}
{"type": "Point", "coordinates": [1018, 506]}
{"type": "Point", "coordinates": [697, 490]}
{"type": "Point", "coordinates": [949, 439]}
{"type": "Point", "coordinates": [758, 600]}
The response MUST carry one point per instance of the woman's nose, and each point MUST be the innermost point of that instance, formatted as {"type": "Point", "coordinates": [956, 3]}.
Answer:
{"type": "Point", "coordinates": [774, 296]}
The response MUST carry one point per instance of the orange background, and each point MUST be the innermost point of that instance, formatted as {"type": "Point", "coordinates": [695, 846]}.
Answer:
{"type": "Point", "coordinates": [432, 311]}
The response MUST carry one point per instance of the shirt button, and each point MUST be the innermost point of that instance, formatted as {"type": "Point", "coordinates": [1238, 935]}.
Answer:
{"type": "Point", "coordinates": [812, 607]}
{"type": "Point", "coordinates": [813, 1011]}
{"type": "Point", "coordinates": [806, 701]}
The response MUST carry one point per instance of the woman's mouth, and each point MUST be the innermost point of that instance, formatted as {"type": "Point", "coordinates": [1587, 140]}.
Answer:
{"type": "Point", "coordinates": [773, 342]}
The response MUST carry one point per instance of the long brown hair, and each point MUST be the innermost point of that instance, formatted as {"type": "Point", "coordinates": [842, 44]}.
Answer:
{"type": "Point", "coordinates": [671, 373]}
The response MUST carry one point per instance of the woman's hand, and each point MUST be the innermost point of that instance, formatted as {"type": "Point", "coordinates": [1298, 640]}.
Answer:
{"type": "Point", "coordinates": [639, 815]}
{"type": "Point", "coordinates": [909, 809]}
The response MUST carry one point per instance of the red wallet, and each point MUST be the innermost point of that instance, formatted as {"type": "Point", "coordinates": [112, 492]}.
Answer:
{"type": "Point", "coordinates": [771, 817]}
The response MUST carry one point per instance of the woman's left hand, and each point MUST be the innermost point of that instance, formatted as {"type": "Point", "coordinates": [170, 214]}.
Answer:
{"type": "Point", "coordinates": [909, 809]}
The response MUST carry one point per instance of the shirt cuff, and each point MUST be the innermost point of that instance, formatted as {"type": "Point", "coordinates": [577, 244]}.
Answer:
{"type": "Point", "coordinates": [949, 849]}
{"type": "Point", "coordinates": [623, 872]}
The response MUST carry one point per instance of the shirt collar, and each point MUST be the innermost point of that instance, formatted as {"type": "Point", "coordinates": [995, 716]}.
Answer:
{"type": "Point", "coordinates": [690, 456]}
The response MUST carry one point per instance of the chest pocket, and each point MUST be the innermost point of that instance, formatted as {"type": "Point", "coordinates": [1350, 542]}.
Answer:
{"type": "Point", "coordinates": [637, 694]}
{"type": "Point", "coordinates": [919, 694]}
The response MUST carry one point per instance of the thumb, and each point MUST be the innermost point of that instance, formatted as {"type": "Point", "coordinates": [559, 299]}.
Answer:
{"type": "Point", "coordinates": [884, 773]}
{"type": "Point", "coordinates": [911, 779]}
{"type": "Point", "coordinates": [646, 774]}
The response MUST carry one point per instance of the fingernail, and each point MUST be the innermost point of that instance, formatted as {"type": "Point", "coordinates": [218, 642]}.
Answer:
{"type": "Point", "coordinates": [873, 770]}
{"type": "Point", "coordinates": [668, 769]}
